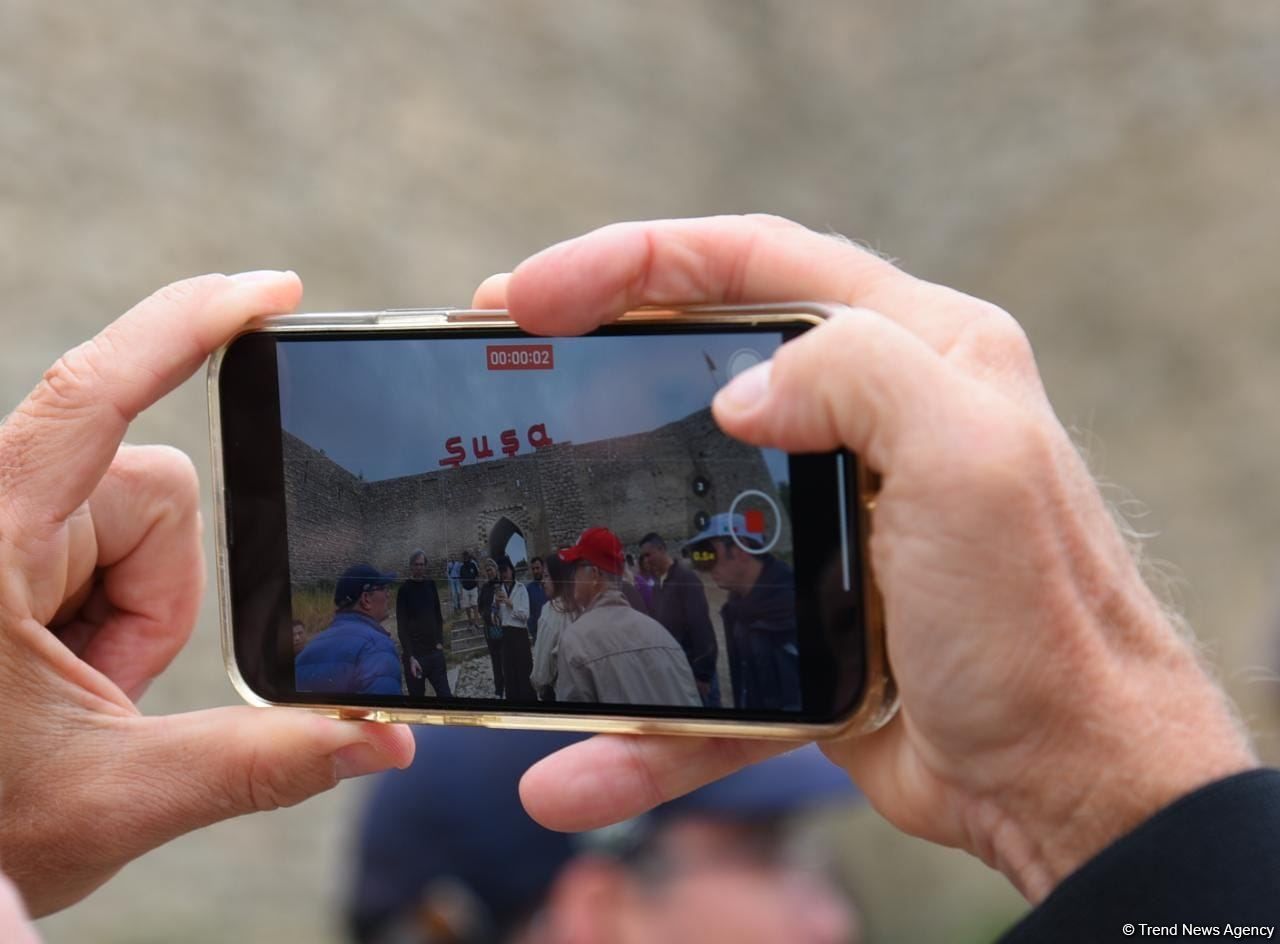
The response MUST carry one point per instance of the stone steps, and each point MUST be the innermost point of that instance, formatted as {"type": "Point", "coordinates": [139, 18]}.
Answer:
{"type": "Point", "coordinates": [465, 639]}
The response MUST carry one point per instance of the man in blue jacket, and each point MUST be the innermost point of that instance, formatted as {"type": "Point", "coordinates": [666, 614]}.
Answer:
{"type": "Point", "coordinates": [354, 655]}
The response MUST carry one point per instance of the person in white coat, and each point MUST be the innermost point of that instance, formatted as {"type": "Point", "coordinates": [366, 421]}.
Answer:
{"type": "Point", "coordinates": [511, 612]}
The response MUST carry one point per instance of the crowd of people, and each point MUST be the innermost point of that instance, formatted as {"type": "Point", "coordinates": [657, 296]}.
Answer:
{"type": "Point", "coordinates": [591, 623]}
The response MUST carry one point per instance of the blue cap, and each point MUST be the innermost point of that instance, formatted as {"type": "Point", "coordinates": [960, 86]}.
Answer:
{"type": "Point", "coordinates": [357, 579]}
{"type": "Point", "coordinates": [725, 525]}
{"type": "Point", "coordinates": [454, 820]}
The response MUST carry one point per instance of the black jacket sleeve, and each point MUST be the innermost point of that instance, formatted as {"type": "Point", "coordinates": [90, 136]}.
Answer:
{"type": "Point", "coordinates": [402, 625]}
{"type": "Point", "coordinates": [438, 628]}
{"type": "Point", "coordinates": [1210, 859]}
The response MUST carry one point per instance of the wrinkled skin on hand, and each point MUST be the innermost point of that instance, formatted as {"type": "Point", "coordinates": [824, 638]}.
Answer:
{"type": "Point", "coordinates": [101, 575]}
{"type": "Point", "coordinates": [1048, 706]}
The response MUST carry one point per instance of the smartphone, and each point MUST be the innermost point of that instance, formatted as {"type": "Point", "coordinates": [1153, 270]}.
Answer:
{"type": "Point", "coordinates": [431, 516]}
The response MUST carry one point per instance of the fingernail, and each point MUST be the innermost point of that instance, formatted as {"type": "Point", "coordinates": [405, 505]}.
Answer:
{"type": "Point", "coordinates": [356, 760]}
{"type": "Point", "coordinates": [748, 388]}
{"type": "Point", "coordinates": [258, 275]}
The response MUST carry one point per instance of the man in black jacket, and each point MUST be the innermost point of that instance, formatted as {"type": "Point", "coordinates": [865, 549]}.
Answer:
{"type": "Point", "coordinates": [420, 625]}
{"type": "Point", "coordinates": [537, 596]}
{"type": "Point", "coordinates": [679, 603]}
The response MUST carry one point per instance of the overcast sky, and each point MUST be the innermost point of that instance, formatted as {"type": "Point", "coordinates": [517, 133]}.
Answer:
{"type": "Point", "coordinates": [385, 408]}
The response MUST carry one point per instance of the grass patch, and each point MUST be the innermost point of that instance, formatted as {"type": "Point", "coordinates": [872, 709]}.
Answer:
{"type": "Point", "coordinates": [314, 606]}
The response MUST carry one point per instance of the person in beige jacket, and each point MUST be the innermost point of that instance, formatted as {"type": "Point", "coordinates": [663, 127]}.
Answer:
{"type": "Point", "coordinates": [614, 654]}
{"type": "Point", "coordinates": [557, 613]}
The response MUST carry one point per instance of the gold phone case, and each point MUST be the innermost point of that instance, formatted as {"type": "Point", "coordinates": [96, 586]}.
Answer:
{"type": "Point", "coordinates": [879, 702]}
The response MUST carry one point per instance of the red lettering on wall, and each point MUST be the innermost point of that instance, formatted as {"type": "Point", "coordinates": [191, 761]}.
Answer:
{"type": "Point", "coordinates": [457, 454]}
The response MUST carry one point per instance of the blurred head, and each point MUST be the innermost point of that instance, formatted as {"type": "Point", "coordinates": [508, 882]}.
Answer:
{"type": "Point", "coordinates": [491, 568]}
{"type": "Point", "coordinates": [698, 879]}
{"type": "Point", "coordinates": [589, 581]}
{"type": "Point", "coordinates": [506, 570]}
{"type": "Point", "coordinates": [730, 549]}
{"type": "Point", "coordinates": [536, 569]}
{"type": "Point", "coordinates": [654, 559]}
{"type": "Point", "coordinates": [418, 565]}
{"type": "Point", "coordinates": [366, 590]}
{"type": "Point", "coordinates": [598, 564]}
{"type": "Point", "coordinates": [558, 579]}
{"type": "Point", "coordinates": [730, 567]}
{"type": "Point", "coordinates": [721, 864]}
{"type": "Point", "coordinates": [299, 636]}
{"type": "Point", "coordinates": [376, 603]}
{"type": "Point", "coordinates": [601, 547]}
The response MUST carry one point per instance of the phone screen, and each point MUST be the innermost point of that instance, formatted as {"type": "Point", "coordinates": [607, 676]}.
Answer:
{"type": "Point", "coordinates": [549, 524]}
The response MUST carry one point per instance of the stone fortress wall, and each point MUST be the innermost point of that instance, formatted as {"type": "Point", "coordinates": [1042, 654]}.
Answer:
{"type": "Point", "coordinates": [630, 484]}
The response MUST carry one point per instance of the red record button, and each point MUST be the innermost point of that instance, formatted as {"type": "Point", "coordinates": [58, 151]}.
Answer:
{"type": "Point", "coordinates": [520, 356]}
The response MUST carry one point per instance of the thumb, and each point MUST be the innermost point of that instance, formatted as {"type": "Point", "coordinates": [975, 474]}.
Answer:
{"type": "Point", "coordinates": [859, 380]}
{"type": "Point", "coordinates": [160, 777]}
{"type": "Point", "coordinates": [228, 761]}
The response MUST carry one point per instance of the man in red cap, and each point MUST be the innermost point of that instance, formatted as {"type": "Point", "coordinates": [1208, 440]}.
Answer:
{"type": "Point", "coordinates": [614, 654]}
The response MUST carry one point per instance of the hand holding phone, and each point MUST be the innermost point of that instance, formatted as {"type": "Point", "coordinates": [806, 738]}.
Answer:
{"type": "Point", "coordinates": [1048, 706]}
{"type": "Point", "coordinates": [101, 553]}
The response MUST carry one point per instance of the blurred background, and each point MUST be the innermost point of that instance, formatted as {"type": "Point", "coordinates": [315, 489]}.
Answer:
{"type": "Point", "coordinates": [1105, 171]}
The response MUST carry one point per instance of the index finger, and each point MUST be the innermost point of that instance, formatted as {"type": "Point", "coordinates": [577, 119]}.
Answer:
{"type": "Point", "coordinates": [577, 285]}
{"type": "Point", "coordinates": [58, 443]}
